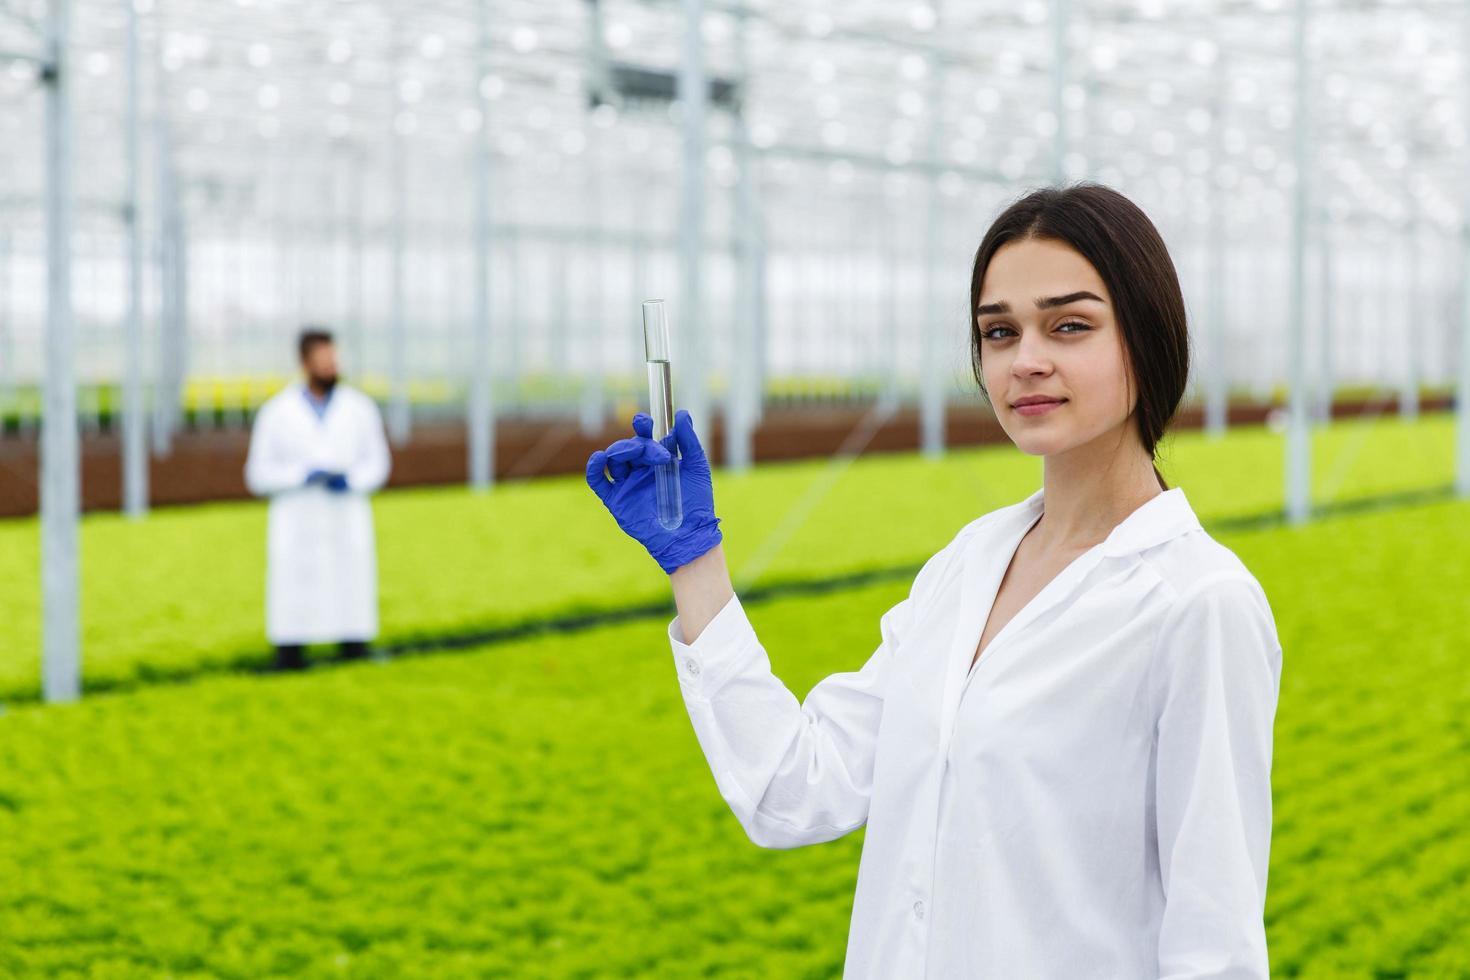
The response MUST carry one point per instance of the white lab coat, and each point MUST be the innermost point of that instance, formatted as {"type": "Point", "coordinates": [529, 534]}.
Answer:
{"type": "Point", "coordinates": [1092, 800]}
{"type": "Point", "coordinates": [322, 580]}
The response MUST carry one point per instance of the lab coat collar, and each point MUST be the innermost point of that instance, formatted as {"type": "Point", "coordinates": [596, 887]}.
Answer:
{"type": "Point", "coordinates": [308, 401]}
{"type": "Point", "coordinates": [318, 406]}
{"type": "Point", "coordinates": [1163, 517]}
{"type": "Point", "coordinates": [987, 555]}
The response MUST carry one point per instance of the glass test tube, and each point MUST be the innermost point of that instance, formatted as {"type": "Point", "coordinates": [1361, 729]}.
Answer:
{"type": "Point", "coordinates": [661, 410]}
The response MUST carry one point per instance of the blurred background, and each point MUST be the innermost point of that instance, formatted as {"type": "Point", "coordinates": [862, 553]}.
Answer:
{"type": "Point", "coordinates": [476, 197]}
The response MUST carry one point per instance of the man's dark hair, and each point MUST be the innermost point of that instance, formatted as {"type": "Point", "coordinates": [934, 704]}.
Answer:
{"type": "Point", "coordinates": [311, 335]}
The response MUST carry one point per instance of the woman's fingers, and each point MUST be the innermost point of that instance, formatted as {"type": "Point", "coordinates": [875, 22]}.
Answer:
{"type": "Point", "coordinates": [637, 451]}
{"type": "Point", "coordinates": [689, 447]}
{"type": "Point", "coordinates": [596, 478]}
{"type": "Point", "coordinates": [643, 425]}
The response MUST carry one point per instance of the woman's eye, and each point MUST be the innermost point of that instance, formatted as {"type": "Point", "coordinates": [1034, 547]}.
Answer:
{"type": "Point", "coordinates": [991, 333]}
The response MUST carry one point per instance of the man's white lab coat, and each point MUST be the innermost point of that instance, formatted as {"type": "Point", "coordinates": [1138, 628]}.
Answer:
{"type": "Point", "coordinates": [1092, 800]}
{"type": "Point", "coordinates": [322, 581]}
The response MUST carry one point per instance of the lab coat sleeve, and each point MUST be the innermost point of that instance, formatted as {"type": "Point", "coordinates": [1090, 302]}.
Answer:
{"type": "Point", "coordinates": [1215, 678]}
{"type": "Point", "coordinates": [269, 469]}
{"type": "Point", "coordinates": [369, 471]}
{"type": "Point", "coordinates": [794, 773]}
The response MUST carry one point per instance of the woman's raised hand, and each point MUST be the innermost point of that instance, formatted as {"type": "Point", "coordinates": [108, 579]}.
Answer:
{"type": "Point", "coordinates": [632, 500]}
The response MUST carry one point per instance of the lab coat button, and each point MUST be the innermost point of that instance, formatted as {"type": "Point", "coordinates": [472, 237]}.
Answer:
{"type": "Point", "coordinates": [692, 667]}
{"type": "Point", "coordinates": [919, 911]}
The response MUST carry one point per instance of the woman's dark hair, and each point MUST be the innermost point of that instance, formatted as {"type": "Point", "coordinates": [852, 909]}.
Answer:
{"type": "Point", "coordinates": [1125, 248]}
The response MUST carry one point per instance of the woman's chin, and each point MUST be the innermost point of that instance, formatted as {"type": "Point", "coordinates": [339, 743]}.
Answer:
{"type": "Point", "coordinates": [1036, 444]}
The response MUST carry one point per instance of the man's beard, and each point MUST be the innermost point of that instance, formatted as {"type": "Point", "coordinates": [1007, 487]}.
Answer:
{"type": "Point", "coordinates": [324, 384]}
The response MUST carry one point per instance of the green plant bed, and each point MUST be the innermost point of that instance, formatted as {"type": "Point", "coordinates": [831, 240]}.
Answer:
{"type": "Point", "coordinates": [542, 808]}
{"type": "Point", "coordinates": [185, 589]}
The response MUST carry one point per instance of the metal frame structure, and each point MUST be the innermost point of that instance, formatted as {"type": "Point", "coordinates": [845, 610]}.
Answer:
{"type": "Point", "coordinates": [479, 191]}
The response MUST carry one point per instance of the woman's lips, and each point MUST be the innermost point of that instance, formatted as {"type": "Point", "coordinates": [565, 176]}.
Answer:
{"type": "Point", "coordinates": [1039, 408]}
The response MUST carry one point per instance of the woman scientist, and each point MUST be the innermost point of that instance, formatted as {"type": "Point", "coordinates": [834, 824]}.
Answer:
{"type": "Point", "coordinates": [1061, 747]}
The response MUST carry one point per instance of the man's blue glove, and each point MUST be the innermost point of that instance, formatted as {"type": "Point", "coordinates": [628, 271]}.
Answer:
{"type": "Point", "coordinates": [631, 498]}
{"type": "Point", "coordinates": [336, 482]}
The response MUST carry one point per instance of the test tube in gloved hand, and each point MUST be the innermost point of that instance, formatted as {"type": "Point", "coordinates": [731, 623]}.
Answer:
{"type": "Point", "coordinates": [661, 409]}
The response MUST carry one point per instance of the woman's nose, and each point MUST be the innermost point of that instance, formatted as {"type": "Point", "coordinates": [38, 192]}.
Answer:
{"type": "Point", "coordinates": [1030, 357]}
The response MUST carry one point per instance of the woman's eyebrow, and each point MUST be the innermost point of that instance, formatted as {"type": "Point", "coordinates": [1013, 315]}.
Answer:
{"type": "Point", "coordinates": [1041, 304]}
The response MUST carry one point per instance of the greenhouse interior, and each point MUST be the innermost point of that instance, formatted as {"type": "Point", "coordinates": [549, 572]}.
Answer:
{"type": "Point", "coordinates": [472, 201]}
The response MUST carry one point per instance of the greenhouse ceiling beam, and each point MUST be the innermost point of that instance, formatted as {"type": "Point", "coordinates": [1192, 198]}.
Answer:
{"type": "Point", "coordinates": [24, 57]}
{"type": "Point", "coordinates": [15, 16]}
{"type": "Point", "coordinates": [1364, 220]}
{"type": "Point", "coordinates": [86, 205]}
{"type": "Point", "coordinates": [872, 161]}
{"type": "Point", "coordinates": [327, 230]}
{"type": "Point", "coordinates": [935, 49]}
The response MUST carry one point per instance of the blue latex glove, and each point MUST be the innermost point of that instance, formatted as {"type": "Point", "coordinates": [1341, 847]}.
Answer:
{"type": "Point", "coordinates": [318, 476]}
{"type": "Point", "coordinates": [631, 498]}
{"type": "Point", "coordinates": [337, 483]}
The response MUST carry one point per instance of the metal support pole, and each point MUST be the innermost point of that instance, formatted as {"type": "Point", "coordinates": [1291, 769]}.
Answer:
{"type": "Point", "coordinates": [173, 314]}
{"type": "Point", "coordinates": [639, 276]}
{"type": "Point", "coordinates": [591, 409]}
{"type": "Point", "coordinates": [745, 393]}
{"type": "Point", "coordinates": [163, 411]}
{"type": "Point", "coordinates": [1061, 60]}
{"type": "Point", "coordinates": [168, 379]}
{"type": "Point", "coordinates": [1217, 368]}
{"type": "Point", "coordinates": [759, 319]}
{"type": "Point", "coordinates": [1326, 316]}
{"type": "Point", "coordinates": [1462, 385]}
{"type": "Point", "coordinates": [233, 357]}
{"type": "Point", "coordinates": [933, 385]}
{"type": "Point", "coordinates": [134, 425]}
{"type": "Point", "coordinates": [400, 415]}
{"type": "Point", "coordinates": [514, 334]}
{"type": "Point", "coordinates": [689, 317]}
{"type": "Point", "coordinates": [481, 424]}
{"type": "Point", "coordinates": [1413, 306]}
{"type": "Point", "coordinates": [60, 461]}
{"type": "Point", "coordinates": [1298, 435]}
{"type": "Point", "coordinates": [559, 279]}
{"type": "Point", "coordinates": [7, 336]}
{"type": "Point", "coordinates": [890, 342]}
{"type": "Point", "coordinates": [356, 312]}
{"type": "Point", "coordinates": [179, 328]}
{"type": "Point", "coordinates": [600, 86]}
